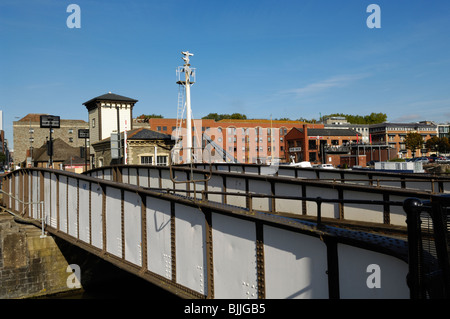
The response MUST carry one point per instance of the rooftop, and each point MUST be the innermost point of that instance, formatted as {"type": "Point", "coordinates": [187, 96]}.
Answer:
{"type": "Point", "coordinates": [329, 132]}
{"type": "Point", "coordinates": [108, 97]}
{"type": "Point", "coordinates": [35, 117]}
{"type": "Point", "coordinates": [141, 134]}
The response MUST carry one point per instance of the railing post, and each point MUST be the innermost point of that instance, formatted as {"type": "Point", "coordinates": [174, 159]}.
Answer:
{"type": "Point", "coordinates": [413, 207]}
{"type": "Point", "coordinates": [43, 218]}
{"type": "Point", "coordinates": [440, 236]}
{"type": "Point", "coordinates": [319, 212]}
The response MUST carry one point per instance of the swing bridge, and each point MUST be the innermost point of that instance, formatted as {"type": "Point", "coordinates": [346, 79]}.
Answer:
{"type": "Point", "coordinates": [248, 231]}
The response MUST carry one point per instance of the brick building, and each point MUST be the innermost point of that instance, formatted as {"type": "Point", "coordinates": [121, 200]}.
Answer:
{"type": "Point", "coordinates": [318, 145]}
{"type": "Point", "coordinates": [394, 135]}
{"type": "Point", "coordinates": [28, 134]}
{"type": "Point", "coordinates": [248, 141]}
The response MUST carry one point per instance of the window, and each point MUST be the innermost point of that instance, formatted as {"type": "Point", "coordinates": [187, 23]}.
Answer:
{"type": "Point", "coordinates": [158, 128]}
{"type": "Point", "coordinates": [93, 122]}
{"type": "Point", "coordinates": [161, 160]}
{"type": "Point", "coordinates": [147, 160]}
{"type": "Point", "coordinates": [70, 139]}
{"type": "Point", "coordinates": [70, 131]}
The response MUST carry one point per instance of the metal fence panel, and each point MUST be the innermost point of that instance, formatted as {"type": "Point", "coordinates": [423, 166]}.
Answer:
{"type": "Point", "coordinates": [295, 265]}
{"type": "Point", "coordinates": [83, 211]}
{"type": "Point", "coordinates": [72, 202]}
{"type": "Point", "coordinates": [133, 228]}
{"type": "Point", "coordinates": [159, 254]}
{"type": "Point", "coordinates": [96, 215]}
{"type": "Point", "coordinates": [190, 248]}
{"type": "Point", "coordinates": [365, 274]}
{"type": "Point", "coordinates": [63, 203]}
{"type": "Point", "coordinates": [114, 221]}
{"type": "Point", "coordinates": [234, 246]}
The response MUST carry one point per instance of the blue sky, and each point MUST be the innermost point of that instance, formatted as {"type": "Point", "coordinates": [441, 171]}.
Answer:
{"type": "Point", "coordinates": [262, 58]}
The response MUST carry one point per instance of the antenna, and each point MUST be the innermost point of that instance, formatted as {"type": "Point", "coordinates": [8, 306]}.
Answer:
{"type": "Point", "coordinates": [187, 81]}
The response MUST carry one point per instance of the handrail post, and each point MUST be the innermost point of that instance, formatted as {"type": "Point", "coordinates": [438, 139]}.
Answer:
{"type": "Point", "coordinates": [413, 207]}
{"type": "Point", "coordinates": [319, 212]}
{"type": "Point", "coordinates": [42, 217]}
{"type": "Point", "coordinates": [440, 234]}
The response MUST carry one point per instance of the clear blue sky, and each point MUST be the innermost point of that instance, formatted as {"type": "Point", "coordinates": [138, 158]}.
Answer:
{"type": "Point", "coordinates": [296, 58]}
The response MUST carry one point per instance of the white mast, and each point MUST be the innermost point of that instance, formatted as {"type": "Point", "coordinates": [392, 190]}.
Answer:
{"type": "Point", "coordinates": [187, 82]}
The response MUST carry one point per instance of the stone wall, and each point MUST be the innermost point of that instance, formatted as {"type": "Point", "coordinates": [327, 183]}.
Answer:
{"type": "Point", "coordinates": [30, 266]}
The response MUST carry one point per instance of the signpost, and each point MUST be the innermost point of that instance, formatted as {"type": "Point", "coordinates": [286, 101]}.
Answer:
{"type": "Point", "coordinates": [50, 122]}
{"type": "Point", "coordinates": [84, 133]}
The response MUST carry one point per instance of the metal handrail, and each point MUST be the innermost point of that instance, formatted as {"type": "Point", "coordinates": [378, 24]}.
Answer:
{"type": "Point", "coordinates": [40, 203]}
{"type": "Point", "coordinates": [173, 179]}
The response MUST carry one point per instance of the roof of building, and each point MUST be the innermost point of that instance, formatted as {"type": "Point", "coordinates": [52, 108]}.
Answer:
{"type": "Point", "coordinates": [33, 117]}
{"type": "Point", "coordinates": [329, 132]}
{"type": "Point", "coordinates": [258, 121]}
{"type": "Point", "coordinates": [109, 97]}
{"type": "Point", "coordinates": [61, 152]}
{"type": "Point", "coordinates": [36, 117]}
{"type": "Point", "coordinates": [140, 134]}
{"type": "Point", "coordinates": [147, 134]}
{"type": "Point", "coordinates": [414, 124]}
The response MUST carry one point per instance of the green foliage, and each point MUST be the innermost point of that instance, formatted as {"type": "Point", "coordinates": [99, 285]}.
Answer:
{"type": "Point", "coordinates": [372, 118]}
{"type": "Point", "coordinates": [145, 117]}
{"type": "Point", "coordinates": [438, 144]}
{"type": "Point", "coordinates": [413, 141]}
{"type": "Point", "coordinates": [302, 119]}
{"type": "Point", "coordinates": [218, 117]}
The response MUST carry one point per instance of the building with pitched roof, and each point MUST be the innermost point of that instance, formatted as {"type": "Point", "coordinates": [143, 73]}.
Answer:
{"type": "Point", "coordinates": [65, 156]}
{"type": "Point", "coordinates": [108, 113]}
{"type": "Point", "coordinates": [144, 146]}
{"type": "Point", "coordinates": [28, 135]}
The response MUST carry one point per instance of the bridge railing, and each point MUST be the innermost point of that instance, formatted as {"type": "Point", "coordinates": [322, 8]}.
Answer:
{"type": "Point", "coordinates": [274, 194]}
{"type": "Point", "coordinates": [204, 249]}
{"type": "Point", "coordinates": [429, 247]}
{"type": "Point", "coordinates": [423, 182]}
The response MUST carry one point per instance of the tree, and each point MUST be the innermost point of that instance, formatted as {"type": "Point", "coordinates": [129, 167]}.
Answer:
{"type": "Point", "coordinates": [413, 141]}
{"type": "Point", "coordinates": [438, 144]}
{"type": "Point", "coordinates": [145, 118]}
{"type": "Point", "coordinates": [372, 118]}
{"type": "Point", "coordinates": [217, 117]}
